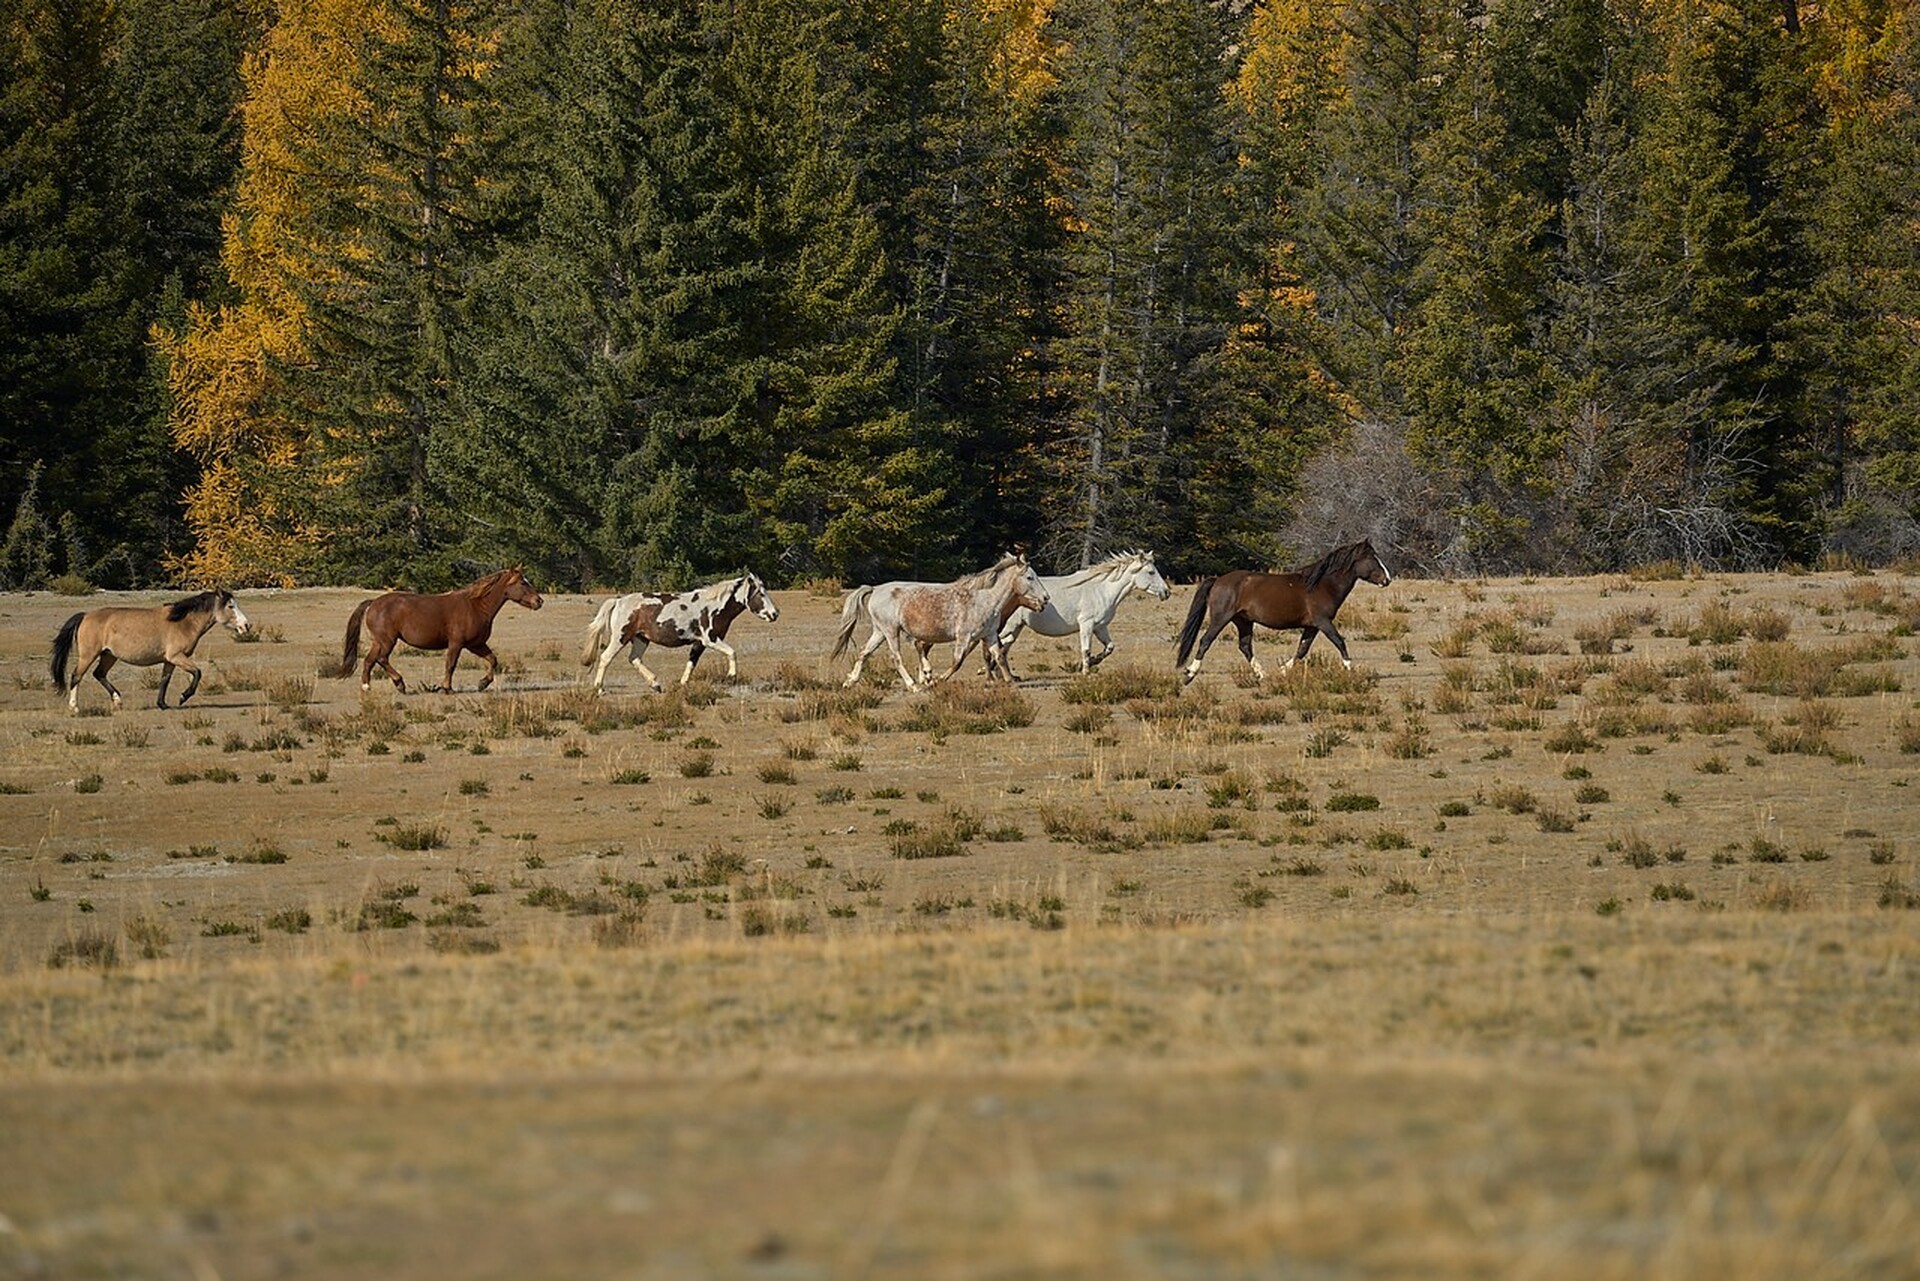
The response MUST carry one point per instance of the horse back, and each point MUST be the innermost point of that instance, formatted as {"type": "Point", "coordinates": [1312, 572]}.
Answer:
{"type": "Point", "coordinates": [136, 634]}
{"type": "Point", "coordinates": [925, 611]}
{"type": "Point", "coordinates": [1271, 600]}
{"type": "Point", "coordinates": [424, 622]}
{"type": "Point", "coordinates": [645, 622]}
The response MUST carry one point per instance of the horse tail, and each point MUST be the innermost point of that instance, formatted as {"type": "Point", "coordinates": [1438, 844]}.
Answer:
{"type": "Point", "coordinates": [850, 611]}
{"type": "Point", "coordinates": [63, 650]}
{"type": "Point", "coordinates": [1196, 615]}
{"type": "Point", "coordinates": [350, 651]}
{"type": "Point", "coordinates": [596, 634]}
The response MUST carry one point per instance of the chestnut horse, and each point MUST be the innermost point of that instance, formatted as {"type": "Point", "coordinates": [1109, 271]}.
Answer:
{"type": "Point", "coordinates": [461, 619]}
{"type": "Point", "coordinates": [143, 636]}
{"type": "Point", "coordinates": [1307, 600]}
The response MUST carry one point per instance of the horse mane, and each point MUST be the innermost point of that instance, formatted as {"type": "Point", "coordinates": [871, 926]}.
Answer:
{"type": "Point", "coordinates": [1112, 567]}
{"type": "Point", "coordinates": [199, 603]}
{"type": "Point", "coordinates": [984, 579]}
{"type": "Point", "coordinates": [479, 586]}
{"type": "Point", "coordinates": [1338, 558]}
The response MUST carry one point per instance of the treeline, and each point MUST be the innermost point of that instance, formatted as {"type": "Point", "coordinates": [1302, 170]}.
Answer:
{"type": "Point", "coordinates": [638, 291]}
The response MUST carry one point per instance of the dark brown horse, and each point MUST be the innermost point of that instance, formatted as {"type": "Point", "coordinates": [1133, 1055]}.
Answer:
{"type": "Point", "coordinates": [1308, 600]}
{"type": "Point", "coordinates": [143, 636]}
{"type": "Point", "coordinates": [461, 619]}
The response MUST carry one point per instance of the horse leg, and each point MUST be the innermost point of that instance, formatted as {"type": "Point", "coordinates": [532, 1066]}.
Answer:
{"type": "Point", "coordinates": [733, 665]}
{"type": "Point", "coordinates": [1200, 652]}
{"type": "Point", "coordinates": [1245, 627]}
{"type": "Point", "coordinates": [485, 651]}
{"type": "Point", "coordinates": [1339, 642]}
{"type": "Point", "coordinates": [693, 657]}
{"type": "Point", "coordinates": [100, 671]}
{"type": "Point", "coordinates": [634, 651]}
{"type": "Point", "coordinates": [960, 659]}
{"type": "Point", "coordinates": [997, 654]}
{"type": "Point", "coordinates": [186, 665]}
{"type": "Point", "coordinates": [1306, 643]}
{"type": "Point", "coordinates": [1003, 642]}
{"type": "Point", "coordinates": [893, 643]}
{"type": "Point", "coordinates": [380, 654]}
{"type": "Point", "coordinates": [606, 657]}
{"type": "Point", "coordinates": [860, 661]}
{"type": "Point", "coordinates": [1106, 640]}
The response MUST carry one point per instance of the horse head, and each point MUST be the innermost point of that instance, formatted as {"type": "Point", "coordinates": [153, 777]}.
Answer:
{"type": "Point", "coordinates": [1146, 577]}
{"type": "Point", "coordinates": [754, 595]}
{"type": "Point", "coordinates": [1368, 565]}
{"type": "Point", "coordinates": [227, 610]}
{"type": "Point", "coordinates": [519, 590]}
{"type": "Point", "coordinates": [1028, 591]}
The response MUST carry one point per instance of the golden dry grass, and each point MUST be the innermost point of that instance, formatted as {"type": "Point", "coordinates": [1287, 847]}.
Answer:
{"type": "Point", "coordinates": [1235, 981]}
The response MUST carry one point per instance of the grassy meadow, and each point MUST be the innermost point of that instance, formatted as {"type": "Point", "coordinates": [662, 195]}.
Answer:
{"type": "Point", "coordinates": [1575, 931]}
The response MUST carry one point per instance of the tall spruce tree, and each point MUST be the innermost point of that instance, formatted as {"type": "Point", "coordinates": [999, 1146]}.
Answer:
{"type": "Point", "coordinates": [402, 193]}
{"type": "Point", "coordinates": [1854, 329]}
{"type": "Point", "coordinates": [1475, 385]}
{"type": "Point", "coordinates": [115, 148]}
{"type": "Point", "coordinates": [1720, 241]}
{"type": "Point", "coordinates": [1155, 240]}
{"type": "Point", "coordinates": [959, 170]}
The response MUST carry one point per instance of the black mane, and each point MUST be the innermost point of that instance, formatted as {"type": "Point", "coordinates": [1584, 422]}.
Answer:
{"type": "Point", "coordinates": [201, 603]}
{"type": "Point", "coordinates": [1338, 558]}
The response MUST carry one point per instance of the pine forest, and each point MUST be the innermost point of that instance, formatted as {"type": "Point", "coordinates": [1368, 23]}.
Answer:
{"type": "Point", "coordinates": [632, 292]}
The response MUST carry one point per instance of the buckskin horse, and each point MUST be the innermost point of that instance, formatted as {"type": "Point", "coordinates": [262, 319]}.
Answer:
{"type": "Point", "coordinates": [968, 610]}
{"type": "Point", "coordinates": [697, 618]}
{"type": "Point", "coordinates": [143, 636]}
{"type": "Point", "coordinates": [1307, 599]}
{"type": "Point", "coordinates": [458, 620]}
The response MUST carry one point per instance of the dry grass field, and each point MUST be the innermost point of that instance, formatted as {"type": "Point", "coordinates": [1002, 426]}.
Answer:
{"type": "Point", "coordinates": [1575, 932]}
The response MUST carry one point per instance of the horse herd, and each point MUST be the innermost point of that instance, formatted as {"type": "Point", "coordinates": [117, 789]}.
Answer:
{"type": "Point", "coordinates": [990, 608]}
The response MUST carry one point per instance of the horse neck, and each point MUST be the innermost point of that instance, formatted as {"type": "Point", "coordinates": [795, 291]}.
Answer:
{"type": "Point", "coordinates": [203, 621]}
{"type": "Point", "coordinates": [728, 612]}
{"type": "Point", "coordinates": [1002, 592]}
{"type": "Point", "coordinates": [1338, 584]}
{"type": "Point", "coordinates": [1099, 596]}
{"type": "Point", "coordinates": [491, 598]}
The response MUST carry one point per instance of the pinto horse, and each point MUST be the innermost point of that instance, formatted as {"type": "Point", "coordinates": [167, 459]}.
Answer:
{"type": "Point", "coordinates": [1307, 600]}
{"type": "Point", "coordinates": [458, 620]}
{"type": "Point", "coordinates": [967, 610]}
{"type": "Point", "coordinates": [698, 618]}
{"type": "Point", "coordinates": [143, 636]}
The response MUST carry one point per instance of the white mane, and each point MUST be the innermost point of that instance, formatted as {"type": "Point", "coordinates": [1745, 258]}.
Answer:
{"type": "Point", "coordinates": [1114, 566]}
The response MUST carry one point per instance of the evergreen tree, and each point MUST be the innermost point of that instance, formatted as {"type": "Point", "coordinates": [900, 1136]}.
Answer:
{"type": "Point", "coordinates": [1158, 236]}
{"type": "Point", "coordinates": [1361, 233]}
{"type": "Point", "coordinates": [1854, 329]}
{"type": "Point", "coordinates": [959, 172]}
{"type": "Point", "coordinates": [1720, 244]}
{"type": "Point", "coordinates": [1475, 385]}
{"type": "Point", "coordinates": [400, 191]}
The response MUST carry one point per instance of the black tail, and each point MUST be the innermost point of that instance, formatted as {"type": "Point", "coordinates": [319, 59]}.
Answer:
{"type": "Point", "coordinates": [63, 650]}
{"type": "Point", "coordinates": [350, 652]}
{"type": "Point", "coordinates": [1196, 615]}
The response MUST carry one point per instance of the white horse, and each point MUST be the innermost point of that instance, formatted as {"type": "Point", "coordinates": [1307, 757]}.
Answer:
{"type": "Point", "coordinates": [1085, 602]}
{"type": "Point", "coordinates": [697, 618]}
{"type": "Point", "coordinates": [966, 610]}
